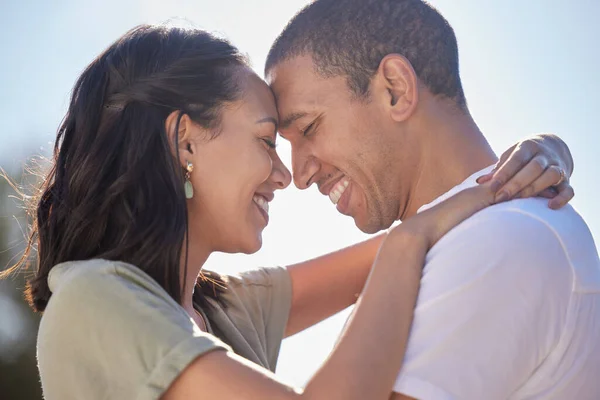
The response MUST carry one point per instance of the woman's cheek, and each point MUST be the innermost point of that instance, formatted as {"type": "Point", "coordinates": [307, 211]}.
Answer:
{"type": "Point", "coordinates": [263, 165]}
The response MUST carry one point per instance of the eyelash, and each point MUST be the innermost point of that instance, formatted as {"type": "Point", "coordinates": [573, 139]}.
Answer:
{"type": "Point", "coordinates": [306, 130]}
{"type": "Point", "coordinates": [270, 143]}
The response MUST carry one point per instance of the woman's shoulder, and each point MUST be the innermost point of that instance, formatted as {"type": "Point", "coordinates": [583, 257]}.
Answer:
{"type": "Point", "coordinates": [97, 292]}
{"type": "Point", "coordinates": [262, 277]}
{"type": "Point", "coordinates": [114, 330]}
{"type": "Point", "coordinates": [256, 289]}
{"type": "Point", "coordinates": [253, 313]}
{"type": "Point", "coordinates": [112, 297]}
{"type": "Point", "coordinates": [97, 277]}
{"type": "Point", "coordinates": [243, 288]}
{"type": "Point", "coordinates": [96, 270]}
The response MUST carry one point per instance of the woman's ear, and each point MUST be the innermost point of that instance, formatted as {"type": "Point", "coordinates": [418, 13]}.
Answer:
{"type": "Point", "coordinates": [180, 127]}
{"type": "Point", "coordinates": [401, 83]}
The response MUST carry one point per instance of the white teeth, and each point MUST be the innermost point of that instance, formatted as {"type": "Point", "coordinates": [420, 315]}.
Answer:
{"type": "Point", "coordinates": [338, 190]}
{"type": "Point", "coordinates": [262, 203]}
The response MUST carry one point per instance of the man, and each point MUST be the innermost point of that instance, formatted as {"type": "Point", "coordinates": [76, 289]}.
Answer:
{"type": "Point", "coordinates": [370, 98]}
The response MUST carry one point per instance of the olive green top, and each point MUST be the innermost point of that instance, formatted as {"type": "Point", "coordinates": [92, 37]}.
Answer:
{"type": "Point", "coordinates": [111, 332]}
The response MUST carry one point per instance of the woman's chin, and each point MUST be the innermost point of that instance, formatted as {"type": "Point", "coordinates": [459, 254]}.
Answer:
{"type": "Point", "coordinates": [255, 245]}
{"type": "Point", "coordinates": [249, 246]}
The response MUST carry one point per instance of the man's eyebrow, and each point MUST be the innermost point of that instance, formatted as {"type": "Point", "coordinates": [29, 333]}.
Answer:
{"type": "Point", "coordinates": [269, 119]}
{"type": "Point", "coordinates": [290, 119]}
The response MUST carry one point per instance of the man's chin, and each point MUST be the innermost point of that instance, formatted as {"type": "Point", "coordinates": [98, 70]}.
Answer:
{"type": "Point", "coordinates": [370, 224]}
{"type": "Point", "coordinates": [370, 227]}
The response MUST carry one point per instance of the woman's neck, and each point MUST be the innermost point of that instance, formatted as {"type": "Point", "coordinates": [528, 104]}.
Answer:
{"type": "Point", "coordinates": [196, 258]}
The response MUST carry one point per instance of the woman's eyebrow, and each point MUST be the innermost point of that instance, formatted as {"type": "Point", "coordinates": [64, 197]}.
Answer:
{"type": "Point", "coordinates": [267, 120]}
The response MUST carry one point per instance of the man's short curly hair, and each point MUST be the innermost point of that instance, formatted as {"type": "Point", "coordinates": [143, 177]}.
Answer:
{"type": "Point", "coordinates": [351, 37]}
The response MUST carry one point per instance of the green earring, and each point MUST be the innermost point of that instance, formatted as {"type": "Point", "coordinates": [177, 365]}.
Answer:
{"type": "Point", "coordinates": [189, 189]}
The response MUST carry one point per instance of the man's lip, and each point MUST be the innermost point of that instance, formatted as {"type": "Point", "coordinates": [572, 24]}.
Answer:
{"type": "Point", "coordinates": [325, 189]}
{"type": "Point", "coordinates": [343, 204]}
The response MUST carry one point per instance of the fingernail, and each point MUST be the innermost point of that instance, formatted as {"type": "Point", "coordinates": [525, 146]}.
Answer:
{"type": "Point", "coordinates": [502, 196]}
{"type": "Point", "coordinates": [496, 184]}
{"type": "Point", "coordinates": [478, 179]}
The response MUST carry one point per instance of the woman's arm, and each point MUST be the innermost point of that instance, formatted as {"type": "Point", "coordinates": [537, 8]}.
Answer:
{"type": "Point", "coordinates": [326, 285]}
{"type": "Point", "coordinates": [372, 338]}
{"type": "Point", "coordinates": [369, 354]}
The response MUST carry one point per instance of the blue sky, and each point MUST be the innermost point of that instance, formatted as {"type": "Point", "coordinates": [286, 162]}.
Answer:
{"type": "Point", "coordinates": [527, 67]}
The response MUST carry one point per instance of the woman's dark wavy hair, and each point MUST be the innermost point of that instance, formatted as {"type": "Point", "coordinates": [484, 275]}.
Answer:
{"type": "Point", "coordinates": [115, 190]}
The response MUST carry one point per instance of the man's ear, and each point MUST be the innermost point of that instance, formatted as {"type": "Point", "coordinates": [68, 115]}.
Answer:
{"type": "Point", "coordinates": [179, 128]}
{"type": "Point", "coordinates": [398, 78]}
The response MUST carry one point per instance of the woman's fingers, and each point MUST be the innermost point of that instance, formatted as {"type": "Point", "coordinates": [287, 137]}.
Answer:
{"type": "Point", "coordinates": [510, 164]}
{"type": "Point", "coordinates": [565, 194]}
{"type": "Point", "coordinates": [549, 193]}
{"type": "Point", "coordinates": [552, 184]}
{"type": "Point", "coordinates": [534, 175]}
{"type": "Point", "coordinates": [549, 178]}
{"type": "Point", "coordinates": [524, 172]}
{"type": "Point", "coordinates": [500, 164]}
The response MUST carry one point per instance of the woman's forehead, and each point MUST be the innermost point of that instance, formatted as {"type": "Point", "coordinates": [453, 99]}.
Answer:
{"type": "Point", "coordinates": [258, 98]}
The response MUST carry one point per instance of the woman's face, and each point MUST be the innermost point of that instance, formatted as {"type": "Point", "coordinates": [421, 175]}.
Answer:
{"type": "Point", "coordinates": [236, 173]}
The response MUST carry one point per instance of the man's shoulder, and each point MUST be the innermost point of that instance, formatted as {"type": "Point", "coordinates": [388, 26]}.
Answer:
{"type": "Point", "coordinates": [497, 246]}
{"type": "Point", "coordinates": [521, 238]}
{"type": "Point", "coordinates": [508, 271]}
{"type": "Point", "coordinates": [505, 226]}
{"type": "Point", "coordinates": [522, 223]}
{"type": "Point", "coordinates": [556, 236]}
{"type": "Point", "coordinates": [564, 220]}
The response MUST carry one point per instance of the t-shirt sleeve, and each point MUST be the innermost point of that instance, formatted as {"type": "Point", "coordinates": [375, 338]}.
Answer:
{"type": "Point", "coordinates": [492, 305]}
{"type": "Point", "coordinates": [265, 294]}
{"type": "Point", "coordinates": [115, 334]}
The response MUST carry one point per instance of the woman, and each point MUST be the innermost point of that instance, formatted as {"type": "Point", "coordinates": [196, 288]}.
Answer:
{"type": "Point", "coordinates": [167, 153]}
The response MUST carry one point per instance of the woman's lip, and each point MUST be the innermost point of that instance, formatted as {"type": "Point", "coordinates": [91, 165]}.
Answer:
{"type": "Point", "coordinates": [262, 212]}
{"type": "Point", "coordinates": [269, 196]}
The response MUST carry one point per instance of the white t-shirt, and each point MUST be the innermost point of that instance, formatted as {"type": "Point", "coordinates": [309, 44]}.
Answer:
{"type": "Point", "coordinates": [509, 308]}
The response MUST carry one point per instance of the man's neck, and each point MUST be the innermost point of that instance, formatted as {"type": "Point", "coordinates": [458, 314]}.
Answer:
{"type": "Point", "coordinates": [453, 148]}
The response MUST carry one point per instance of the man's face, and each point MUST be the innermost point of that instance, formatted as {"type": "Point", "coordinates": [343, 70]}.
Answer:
{"type": "Point", "coordinates": [343, 144]}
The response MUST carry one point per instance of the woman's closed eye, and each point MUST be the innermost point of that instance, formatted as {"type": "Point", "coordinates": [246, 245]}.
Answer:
{"type": "Point", "coordinates": [270, 143]}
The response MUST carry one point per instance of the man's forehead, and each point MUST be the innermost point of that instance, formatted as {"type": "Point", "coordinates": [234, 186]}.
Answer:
{"type": "Point", "coordinates": [292, 78]}
{"type": "Point", "coordinates": [293, 105]}
{"type": "Point", "coordinates": [301, 91]}
{"type": "Point", "coordinates": [291, 68]}
{"type": "Point", "coordinates": [296, 88]}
